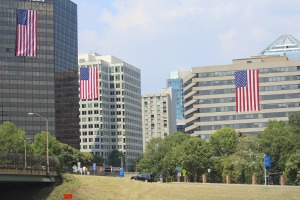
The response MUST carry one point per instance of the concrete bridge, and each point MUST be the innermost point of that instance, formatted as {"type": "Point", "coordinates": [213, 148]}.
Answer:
{"type": "Point", "coordinates": [15, 168]}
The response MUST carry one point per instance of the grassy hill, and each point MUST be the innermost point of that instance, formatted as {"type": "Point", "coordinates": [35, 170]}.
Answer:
{"type": "Point", "coordinates": [99, 187]}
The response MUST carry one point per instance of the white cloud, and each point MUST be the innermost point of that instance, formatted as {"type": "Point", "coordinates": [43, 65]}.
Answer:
{"type": "Point", "coordinates": [228, 41]}
{"type": "Point", "coordinates": [88, 40]}
{"type": "Point", "coordinates": [224, 10]}
{"type": "Point", "coordinates": [129, 19]}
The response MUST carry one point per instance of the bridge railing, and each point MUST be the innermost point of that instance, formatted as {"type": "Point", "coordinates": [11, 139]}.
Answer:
{"type": "Point", "coordinates": [33, 162]}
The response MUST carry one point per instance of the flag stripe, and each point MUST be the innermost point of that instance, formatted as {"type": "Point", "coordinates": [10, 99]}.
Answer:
{"type": "Point", "coordinates": [247, 91]}
{"type": "Point", "coordinates": [89, 83]}
{"type": "Point", "coordinates": [257, 92]}
{"type": "Point", "coordinates": [26, 37]}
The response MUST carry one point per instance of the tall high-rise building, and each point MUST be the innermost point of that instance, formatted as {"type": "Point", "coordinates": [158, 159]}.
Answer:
{"type": "Point", "coordinates": [158, 111]}
{"type": "Point", "coordinates": [285, 45]}
{"type": "Point", "coordinates": [112, 119]}
{"type": "Point", "coordinates": [211, 95]}
{"type": "Point", "coordinates": [175, 82]}
{"type": "Point", "coordinates": [48, 83]}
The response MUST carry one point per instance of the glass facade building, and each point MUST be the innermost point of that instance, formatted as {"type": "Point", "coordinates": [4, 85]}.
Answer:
{"type": "Point", "coordinates": [210, 95]}
{"type": "Point", "coordinates": [47, 84]}
{"type": "Point", "coordinates": [175, 82]}
{"type": "Point", "coordinates": [285, 45]}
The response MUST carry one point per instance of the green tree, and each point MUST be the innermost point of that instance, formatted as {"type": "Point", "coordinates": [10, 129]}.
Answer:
{"type": "Point", "coordinates": [224, 141]}
{"type": "Point", "coordinates": [241, 167]}
{"type": "Point", "coordinates": [248, 151]}
{"type": "Point", "coordinates": [68, 157]}
{"type": "Point", "coordinates": [86, 158]}
{"type": "Point", "coordinates": [169, 154]}
{"type": "Point", "coordinates": [114, 158]}
{"type": "Point", "coordinates": [12, 139]}
{"type": "Point", "coordinates": [292, 169]}
{"type": "Point", "coordinates": [216, 169]}
{"type": "Point", "coordinates": [162, 155]}
{"type": "Point", "coordinates": [294, 122]}
{"type": "Point", "coordinates": [98, 159]}
{"type": "Point", "coordinates": [279, 141]}
{"type": "Point", "coordinates": [245, 162]}
{"type": "Point", "coordinates": [195, 156]}
{"type": "Point", "coordinates": [40, 145]}
{"type": "Point", "coordinates": [151, 162]}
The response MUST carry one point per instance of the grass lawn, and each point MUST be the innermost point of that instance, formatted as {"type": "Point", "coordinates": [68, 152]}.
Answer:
{"type": "Point", "coordinates": [99, 187]}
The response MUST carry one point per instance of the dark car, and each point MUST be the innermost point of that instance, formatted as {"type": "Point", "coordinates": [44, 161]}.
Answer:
{"type": "Point", "coordinates": [144, 177]}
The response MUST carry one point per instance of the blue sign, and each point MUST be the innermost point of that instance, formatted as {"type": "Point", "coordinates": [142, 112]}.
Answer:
{"type": "Point", "coordinates": [267, 161]}
{"type": "Point", "coordinates": [122, 173]}
{"type": "Point", "coordinates": [94, 166]}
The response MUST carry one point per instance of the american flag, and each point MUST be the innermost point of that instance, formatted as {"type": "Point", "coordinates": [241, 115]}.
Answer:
{"type": "Point", "coordinates": [88, 83]}
{"type": "Point", "coordinates": [247, 91]}
{"type": "Point", "coordinates": [26, 38]}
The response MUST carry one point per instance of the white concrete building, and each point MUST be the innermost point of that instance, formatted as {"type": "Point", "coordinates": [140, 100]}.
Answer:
{"type": "Point", "coordinates": [159, 115]}
{"type": "Point", "coordinates": [210, 95]}
{"type": "Point", "coordinates": [113, 121]}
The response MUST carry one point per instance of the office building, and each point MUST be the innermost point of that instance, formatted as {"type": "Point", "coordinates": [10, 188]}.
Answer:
{"type": "Point", "coordinates": [175, 82]}
{"type": "Point", "coordinates": [285, 45]}
{"type": "Point", "coordinates": [181, 125]}
{"type": "Point", "coordinates": [112, 119]}
{"type": "Point", "coordinates": [159, 115]}
{"type": "Point", "coordinates": [210, 95]}
{"type": "Point", "coordinates": [45, 82]}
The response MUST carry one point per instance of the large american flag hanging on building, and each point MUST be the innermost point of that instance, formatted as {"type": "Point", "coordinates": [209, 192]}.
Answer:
{"type": "Point", "coordinates": [26, 37]}
{"type": "Point", "coordinates": [247, 91]}
{"type": "Point", "coordinates": [89, 83]}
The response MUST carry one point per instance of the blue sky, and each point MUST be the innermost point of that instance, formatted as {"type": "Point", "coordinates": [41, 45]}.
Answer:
{"type": "Point", "coordinates": [160, 36]}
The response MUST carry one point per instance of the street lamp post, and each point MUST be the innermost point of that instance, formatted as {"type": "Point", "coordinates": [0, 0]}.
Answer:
{"type": "Point", "coordinates": [25, 154]}
{"type": "Point", "coordinates": [121, 162]}
{"type": "Point", "coordinates": [47, 140]}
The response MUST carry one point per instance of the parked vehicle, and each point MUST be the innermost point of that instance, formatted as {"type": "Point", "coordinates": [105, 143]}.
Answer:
{"type": "Point", "coordinates": [144, 177]}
